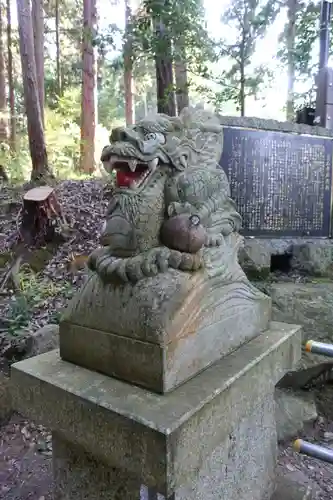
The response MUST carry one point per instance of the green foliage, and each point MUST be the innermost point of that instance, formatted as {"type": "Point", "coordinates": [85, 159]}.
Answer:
{"type": "Point", "coordinates": [63, 143]}
{"type": "Point", "coordinates": [306, 35]}
{"type": "Point", "coordinates": [69, 106]}
{"type": "Point", "coordinates": [182, 22]}
{"type": "Point", "coordinates": [34, 292]}
{"type": "Point", "coordinates": [248, 21]}
{"type": "Point", "coordinates": [62, 134]}
{"type": "Point", "coordinates": [18, 166]}
{"type": "Point", "coordinates": [111, 96]}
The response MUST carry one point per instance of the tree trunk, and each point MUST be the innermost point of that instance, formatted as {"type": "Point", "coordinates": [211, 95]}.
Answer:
{"type": "Point", "coordinates": [242, 91]}
{"type": "Point", "coordinates": [291, 33]}
{"type": "Point", "coordinates": [40, 169]}
{"type": "Point", "coordinates": [57, 27]}
{"type": "Point", "coordinates": [145, 103]}
{"type": "Point", "coordinates": [3, 107]}
{"type": "Point", "coordinates": [12, 137]}
{"type": "Point", "coordinates": [164, 73]}
{"type": "Point", "coordinates": [128, 70]}
{"type": "Point", "coordinates": [40, 211]}
{"type": "Point", "coordinates": [38, 30]}
{"type": "Point", "coordinates": [87, 159]}
{"type": "Point", "coordinates": [182, 96]}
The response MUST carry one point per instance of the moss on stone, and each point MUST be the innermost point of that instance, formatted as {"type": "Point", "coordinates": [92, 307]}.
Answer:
{"type": "Point", "coordinates": [257, 274]}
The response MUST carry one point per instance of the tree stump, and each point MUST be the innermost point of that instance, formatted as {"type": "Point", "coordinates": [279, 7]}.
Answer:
{"type": "Point", "coordinates": [39, 216]}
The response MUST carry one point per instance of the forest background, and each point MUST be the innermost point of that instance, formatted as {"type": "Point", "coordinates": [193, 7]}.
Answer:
{"type": "Point", "coordinates": [71, 70]}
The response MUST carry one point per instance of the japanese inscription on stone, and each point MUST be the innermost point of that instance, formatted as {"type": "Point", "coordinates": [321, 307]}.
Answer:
{"type": "Point", "coordinates": [281, 182]}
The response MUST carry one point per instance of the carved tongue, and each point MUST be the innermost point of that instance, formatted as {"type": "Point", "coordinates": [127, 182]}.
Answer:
{"type": "Point", "coordinates": [125, 179]}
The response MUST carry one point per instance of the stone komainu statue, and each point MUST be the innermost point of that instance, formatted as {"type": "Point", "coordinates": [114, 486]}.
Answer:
{"type": "Point", "coordinates": [167, 272]}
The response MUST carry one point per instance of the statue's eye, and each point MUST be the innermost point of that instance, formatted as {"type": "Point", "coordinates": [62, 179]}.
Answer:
{"type": "Point", "coordinates": [180, 191]}
{"type": "Point", "coordinates": [150, 136]}
{"type": "Point", "coordinates": [195, 220]}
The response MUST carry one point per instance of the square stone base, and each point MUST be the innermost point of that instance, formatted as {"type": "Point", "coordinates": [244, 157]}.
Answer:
{"type": "Point", "coordinates": [162, 331]}
{"type": "Point", "coordinates": [78, 476]}
{"type": "Point", "coordinates": [244, 462]}
{"type": "Point", "coordinates": [212, 438]}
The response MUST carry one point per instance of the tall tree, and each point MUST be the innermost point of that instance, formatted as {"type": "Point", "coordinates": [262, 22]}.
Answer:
{"type": "Point", "coordinates": [37, 13]}
{"type": "Point", "coordinates": [162, 25]}
{"type": "Point", "coordinates": [88, 109]}
{"type": "Point", "coordinates": [182, 84]}
{"type": "Point", "coordinates": [297, 45]}
{"type": "Point", "coordinates": [249, 20]}
{"type": "Point", "coordinates": [3, 107]}
{"type": "Point", "coordinates": [291, 34]}
{"type": "Point", "coordinates": [10, 71]}
{"type": "Point", "coordinates": [57, 28]}
{"type": "Point", "coordinates": [164, 71]}
{"type": "Point", "coordinates": [40, 168]}
{"type": "Point", "coordinates": [128, 67]}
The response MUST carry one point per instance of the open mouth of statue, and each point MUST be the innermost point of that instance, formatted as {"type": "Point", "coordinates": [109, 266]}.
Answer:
{"type": "Point", "coordinates": [132, 173]}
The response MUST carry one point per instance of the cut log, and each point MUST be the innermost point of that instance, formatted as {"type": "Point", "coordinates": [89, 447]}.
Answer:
{"type": "Point", "coordinates": [40, 214]}
{"type": "Point", "coordinates": [3, 174]}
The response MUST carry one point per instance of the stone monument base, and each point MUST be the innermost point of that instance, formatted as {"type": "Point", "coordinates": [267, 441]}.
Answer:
{"type": "Point", "coordinates": [212, 438]}
{"type": "Point", "coordinates": [163, 330]}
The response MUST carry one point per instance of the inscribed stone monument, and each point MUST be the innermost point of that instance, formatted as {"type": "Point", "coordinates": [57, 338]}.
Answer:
{"type": "Point", "coordinates": [281, 182]}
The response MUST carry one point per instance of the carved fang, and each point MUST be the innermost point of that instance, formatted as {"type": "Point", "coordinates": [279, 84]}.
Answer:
{"type": "Point", "coordinates": [132, 164]}
{"type": "Point", "coordinates": [152, 164]}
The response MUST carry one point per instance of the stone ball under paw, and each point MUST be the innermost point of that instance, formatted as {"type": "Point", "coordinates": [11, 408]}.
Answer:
{"type": "Point", "coordinates": [184, 233]}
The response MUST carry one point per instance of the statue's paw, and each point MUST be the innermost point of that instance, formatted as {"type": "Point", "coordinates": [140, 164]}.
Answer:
{"type": "Point", "coordinates": [149, 263]}
{"type": "Point", "coordinates": [191, 262]}
{"type": "Point", "coordinates": [162, 260]}
{"type": "Point", "coordinates": [122, 269]}
{"type": "Point", "coordinates": [175, 259]}
{"type": "Point", "coordinates": [214, 240]}
{"type": "Point", "coordinates": [96, 257]}
{"type": "Point", "coordinates": [134, 269]}
{"type": "Point", "coordinates": [176, 208]}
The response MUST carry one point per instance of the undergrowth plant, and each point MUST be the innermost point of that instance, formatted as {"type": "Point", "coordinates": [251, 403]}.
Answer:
{"type": "Point", "coordinates": [62, 135]}
{"type": "Point", "coordinates": [34, 293]}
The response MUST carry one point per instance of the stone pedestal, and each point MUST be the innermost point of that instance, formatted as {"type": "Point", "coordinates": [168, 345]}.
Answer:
{"type": "Point", "coordinates": [212, 438]}
{"type": "Point", "coordinates": [163, 330]}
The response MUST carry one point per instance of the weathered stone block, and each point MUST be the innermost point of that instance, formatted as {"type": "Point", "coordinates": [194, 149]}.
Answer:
{"type": "Point", "coordinates": [175, 325]}
{"type": "Point", "coordinates": [310, 256]}
{"type": "Point", "coordinates": [255, 258]}
{"type": "Point", "coordinates": [296, 486]}
{"type": "Point", "coordinates": [78, 475]}
{"type": "Point", "coordinates": [307, 304]}
{"type": "Point", "coordinates": [213, 437]}
{"type": "Point", "coordinates": [314, 257]}
{"type": "Point", "coordinates": [293, 410]}
{"type": "Point", "coordinates": [256, 255]}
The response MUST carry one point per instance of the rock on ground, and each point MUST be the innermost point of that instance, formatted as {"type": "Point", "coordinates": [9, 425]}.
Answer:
{"type": "Point", "coordinates": [295, 486]}
{"type": "Point", "coordinates": [44, 340]}
{"type": "Point", "coordinates": [39, 342]}
{"type": "Point", "coordinates": [293, 410]}
{"type": "Point", "coordinates": [309, 305]}
{"type": "Point", "coordinates": [309, 256]}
